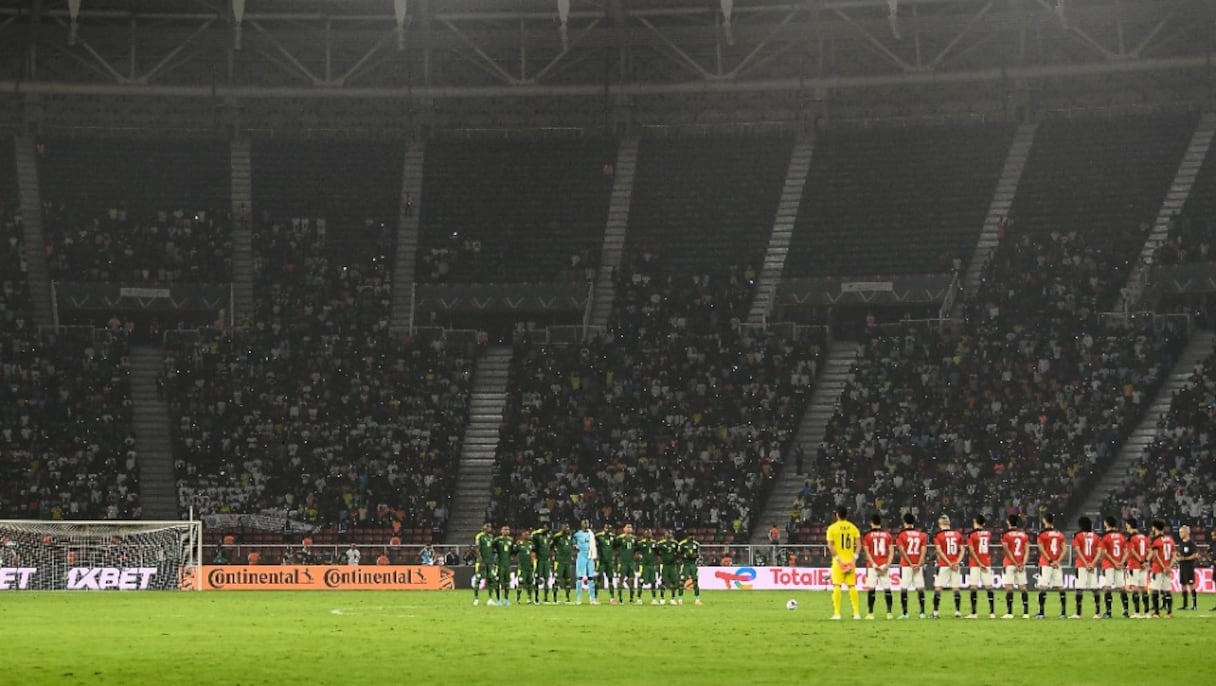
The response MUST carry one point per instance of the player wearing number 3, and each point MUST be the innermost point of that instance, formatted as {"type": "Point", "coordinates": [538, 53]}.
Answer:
{"type": "Point", "coordinates": [843, 537]}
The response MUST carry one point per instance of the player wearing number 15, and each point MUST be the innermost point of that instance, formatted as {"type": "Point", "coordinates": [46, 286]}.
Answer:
{"type": "Point", "coordinates": [843, 538]}
{"type": "Point", "coordinates": [878, 547]}
{"type": "Point", "coordinates": [950, 550]}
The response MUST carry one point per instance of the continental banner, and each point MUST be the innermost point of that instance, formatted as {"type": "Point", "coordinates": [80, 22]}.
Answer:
{"type": "Point", "coordinates": [845, 291]}
{"type": "Point", "coordinates": [326, 578]}
{"type": "Point", "coordinates": [820, 578]}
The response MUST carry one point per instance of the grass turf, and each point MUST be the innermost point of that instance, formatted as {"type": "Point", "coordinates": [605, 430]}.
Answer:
{"type": "Point", "coordinates": [440, 638]}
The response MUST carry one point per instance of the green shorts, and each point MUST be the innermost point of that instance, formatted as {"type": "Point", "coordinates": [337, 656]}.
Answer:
{"type": "Point", "coordinates": [688, 570]}
{"type": "Point", "coordinates": [502, 575]}
{"type": "Point", "coordinates": [670, 575]}
{"type": "Point", "coordinates": [544, 568]}
{"type": "Point", "coordinates": [627, 571]}
{"type": "Point", "coordinates": [605, 567]}
{"type": "Point", "coordinates": [649, 575]}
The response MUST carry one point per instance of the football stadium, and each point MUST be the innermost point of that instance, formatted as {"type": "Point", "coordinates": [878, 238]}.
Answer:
{"type": "Point", "coordinates": [607, 341]}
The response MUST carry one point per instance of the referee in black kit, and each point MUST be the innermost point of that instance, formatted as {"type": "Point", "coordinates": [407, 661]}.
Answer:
{"type": "Point", "coordinates": [1187, 555]}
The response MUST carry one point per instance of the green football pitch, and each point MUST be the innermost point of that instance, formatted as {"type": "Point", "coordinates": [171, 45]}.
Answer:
{"type": "Point", "coordinates": [390, 638]}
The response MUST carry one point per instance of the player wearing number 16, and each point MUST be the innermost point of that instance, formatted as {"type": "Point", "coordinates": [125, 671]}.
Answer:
{"type": "Point", "coordinates": [843, 537]}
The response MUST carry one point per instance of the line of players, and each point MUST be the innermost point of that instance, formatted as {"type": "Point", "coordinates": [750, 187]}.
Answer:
{"type": "Point", "coordinates": [545, 559]}
{"type": "Point", "coordinates": [1136, 565]}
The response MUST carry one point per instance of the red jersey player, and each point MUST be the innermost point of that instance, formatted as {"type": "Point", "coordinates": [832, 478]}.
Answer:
{"type": "Point", "coordinates": [1087, 549]}
{"type": "Point", "coordinates": [1137, 572]}
{"type": "Point", "coordinates": [912, 544]}
{"type": "Point", "coordinates": [979, 550]}
{"type": "Point", "coordinates": [1016, 544]}
{"type": "Point", "coordinates": [951, 548]}
{"type": "Point", "coordinates": [1161, 562]}
{"type": "Point", "coordinates": [879, 547]}
{"type": "Point", "coordinates": [1051, 556]}
{"type": "Point", "coordinates": [1114, 559]}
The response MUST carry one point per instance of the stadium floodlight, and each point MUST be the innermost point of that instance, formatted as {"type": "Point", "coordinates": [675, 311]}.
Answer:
{"type": "Point", "coordinates": [399, 10]}
{"type": "Point", "coordinates": [563, 16]}
{"type": "Point", "coordinates": [728, 7]}
{"type": "Point", "coordinates": [73, 13]}
{"type": "Point", "coordinates": [98, 556]}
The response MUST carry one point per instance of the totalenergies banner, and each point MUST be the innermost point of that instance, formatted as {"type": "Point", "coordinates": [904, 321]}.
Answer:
{"type": "Point", "coordinates": [326, 578]}
{"type": "Point", "coordinates": [820, 578]}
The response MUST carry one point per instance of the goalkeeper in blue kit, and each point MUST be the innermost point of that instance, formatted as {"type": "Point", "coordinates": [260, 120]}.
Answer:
{"type": "Point", "coordinates": [584, 564]}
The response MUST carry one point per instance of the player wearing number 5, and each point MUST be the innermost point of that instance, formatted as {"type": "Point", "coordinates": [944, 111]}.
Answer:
{"type": "Point", "coordinates": [950, 547]}
{"type": "Point", "coordinates": [843, 537]}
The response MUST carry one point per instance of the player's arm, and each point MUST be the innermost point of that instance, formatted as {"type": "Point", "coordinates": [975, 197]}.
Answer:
{"type": "Point", "coordinates": [865, 550]}
{"type": "Point", "coordinates": [939, 551]}
{"type": "Point", "coordinates": [832, 549]}
{"type": "Point", "coordinates": [970, 551]}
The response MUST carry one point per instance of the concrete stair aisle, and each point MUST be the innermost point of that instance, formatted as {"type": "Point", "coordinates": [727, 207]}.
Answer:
{"type": "Point", "coordinates": [406, 260]}
{"type": "Point", "coordinates": [614, 231]}
{"type": "Point", "coordinates": [157, 482]}
{"type": "Point", "coordinates": [998, 209]}
{"type": "Point", "coordinates": [1175, 200]}
{"type": "Point", "coordinates": [31, 213]}
{"type": "Point", "coordinates": [1200, 346]}
{"type": "Point", "coordinates": [837, 370]}
{"type": "Point", "coordinates": [242, 228]}
{"type": "Point", "coordinates": [783, 229]}
{"type": "Point", "coordinates": [477, 452]}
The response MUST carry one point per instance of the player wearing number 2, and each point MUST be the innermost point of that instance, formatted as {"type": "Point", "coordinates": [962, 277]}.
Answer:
{"type": "Point", "coordinates": [979, 551]}
{"type": "Point", "coordinates": [1051, 556]}
{"type": "Point", "coordinates": [877, 545]}
{"type": "Point", "coordinates": [843, 537]}
{"type": "Point", "coordinates": [1016, 544]}
{"type": "Point", "coordinates": [951, 547]}
{"type": "Point", "coordinates": [1087, 548]}
{"type": "Point", "coordinates": [911, 544]}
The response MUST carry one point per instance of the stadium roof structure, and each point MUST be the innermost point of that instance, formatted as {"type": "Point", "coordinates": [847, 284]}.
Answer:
{"type": "Point", "coordinates": [459, 49]}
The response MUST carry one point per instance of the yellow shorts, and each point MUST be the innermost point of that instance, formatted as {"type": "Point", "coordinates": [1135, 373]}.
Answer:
{"type": "Point", "coordinates": [842, 578]}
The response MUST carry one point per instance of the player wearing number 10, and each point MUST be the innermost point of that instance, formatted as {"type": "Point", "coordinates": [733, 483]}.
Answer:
{"type": "Point", "coordinates": [843, 537]}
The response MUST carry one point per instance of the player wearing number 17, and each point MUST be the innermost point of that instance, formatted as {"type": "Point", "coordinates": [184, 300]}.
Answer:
{"type": "Point", "coordinates": [1162, 562]}
{"type": "Point", "coordinates": [1087, 550]}
{"type": "Point", "coordinates": [843, 537]}
{"type": "Point", "coordinates": [877, 545]}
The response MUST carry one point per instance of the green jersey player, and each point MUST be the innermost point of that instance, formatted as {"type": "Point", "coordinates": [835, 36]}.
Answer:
{"type": "Point", "coordinates": [483, 569]}
{"type": "Point", "coordinates": [626, 550]}
{"type": "Point", "coordinates": [542, 542]}
{"type": "Point", "coordinates": [526, 564]}
{"type": "Point", "coordinates": [605, 567]}
{"type": "Point", "coordinates": [690, 555]}
{"type": "Point", "coordinates": [669, 573]}
{"type": "Point", "coordinates": [563, 561]}
{"type": "Point", "coordinates": [650, 576]}
{"type": "Point", "coordinates": [502, 548]}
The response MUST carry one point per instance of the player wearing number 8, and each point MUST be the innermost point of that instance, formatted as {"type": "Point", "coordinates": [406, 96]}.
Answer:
{"type": "Point", "coordinates": [843, 537]}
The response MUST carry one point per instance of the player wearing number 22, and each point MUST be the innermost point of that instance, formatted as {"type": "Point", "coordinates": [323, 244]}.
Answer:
{"type": "Point", "coordinates": [878, 547]}
{"type": "Point", "coordinates": [951, 547]}
{"type": "Point", "coordinates": [912, 544]}
{"type": "Point", "coordinates": [1087, 551]}
{"type": "Point", "coordinates": [843, 538]}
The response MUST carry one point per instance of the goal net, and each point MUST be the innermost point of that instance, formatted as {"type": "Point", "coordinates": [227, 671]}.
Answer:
{"type": "Point", "coordinates": [99, 556]}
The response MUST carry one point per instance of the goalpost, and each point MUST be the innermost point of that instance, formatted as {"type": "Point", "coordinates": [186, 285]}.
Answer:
{"type": "Point", "coordinates": [98, 556]}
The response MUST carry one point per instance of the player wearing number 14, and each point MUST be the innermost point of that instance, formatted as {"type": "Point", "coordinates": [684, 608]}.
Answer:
{"type": "Point", "coordinates": [877, 545]}
{"type": "Point", "coordinates": [843, 537]}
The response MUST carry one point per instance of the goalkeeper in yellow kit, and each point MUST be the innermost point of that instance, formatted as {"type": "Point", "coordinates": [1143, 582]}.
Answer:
{"type": "Point", "coordinates": [843, 538]}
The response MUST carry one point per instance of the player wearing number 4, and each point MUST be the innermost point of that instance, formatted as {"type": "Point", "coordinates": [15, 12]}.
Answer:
{"type": "Point", "coordinates": [979, 551]}
{"type": "Point", "coordinates": [1087, 548]}
{"type": "Point", "coordinates": [843, 538]}
{"type": "Point", "coordinates": [1051, 557]}
{"type": "Point", "coordinates": [877, 546]}
{"type": "Point", "coordinates": [950, 547]}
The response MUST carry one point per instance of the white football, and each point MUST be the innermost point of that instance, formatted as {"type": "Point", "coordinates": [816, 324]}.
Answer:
{"type": "Point", "coordinates": [791, 604]}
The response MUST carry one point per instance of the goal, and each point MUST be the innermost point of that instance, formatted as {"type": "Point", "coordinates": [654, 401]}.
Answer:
{"type": "Point", "coordinates": [99, 556]}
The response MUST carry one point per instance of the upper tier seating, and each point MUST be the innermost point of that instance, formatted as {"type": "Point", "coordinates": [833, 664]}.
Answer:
{"type": "Point", "coordinates": [514, 210]}
{"type": "Point", "coordinates": [896, 201]}
{"type": "Point", "coordinates": [702, 202]}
